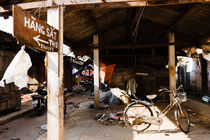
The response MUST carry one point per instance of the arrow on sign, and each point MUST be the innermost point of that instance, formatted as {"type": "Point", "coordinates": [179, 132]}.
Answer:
{"type": "Point", "coordinates": [38, 40]}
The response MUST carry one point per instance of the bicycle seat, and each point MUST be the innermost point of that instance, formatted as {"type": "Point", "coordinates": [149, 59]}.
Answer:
{"type": "Point", "coordinates": [151, 96]}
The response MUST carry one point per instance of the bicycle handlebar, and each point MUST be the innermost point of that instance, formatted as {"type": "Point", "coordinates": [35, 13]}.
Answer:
{"type": "Point", "coordinates": [168, 90]}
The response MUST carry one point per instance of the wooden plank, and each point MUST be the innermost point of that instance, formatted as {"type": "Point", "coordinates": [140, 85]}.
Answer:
{"type": "Point", "coordinates": [27, 6]}
{"type": "Point", "coordinates": [171, 65]}
{"type": "Point", "coordinates": [32, 32]}
{"type": "Point", "coordinates": [86, 4]}
{"type": "Point", "coordinates": [96, 70]}
{"type": "Point", "coordinates": [54, 80]}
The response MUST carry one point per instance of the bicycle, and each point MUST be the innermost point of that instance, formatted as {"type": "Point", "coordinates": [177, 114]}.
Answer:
{"type": "Point", "coordinates": [138, 115]}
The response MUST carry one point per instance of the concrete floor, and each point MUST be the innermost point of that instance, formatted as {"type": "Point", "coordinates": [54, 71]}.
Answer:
{"type": "Point", "coordinates": [24, 128]}
{"type": "Point", "coordinates": [81, 125]}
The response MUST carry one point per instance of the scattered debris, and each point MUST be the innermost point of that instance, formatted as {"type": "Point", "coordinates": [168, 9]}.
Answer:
{"type": "Point", "coordinates": [110, 118]}
{"type": "Point", "coordinates": [78, 88]}
{"type": "Point", "coordinates": [206, 99]}
{"type": "Point", "coordinates": [114, 96]}
{"type": "Point", "coordinates": [166, 134]}
{"type": "Point", "coordinates": [44, 127]}
{"type": "Point", "coordinates": [191, 124]}
{"type": "Point", "coordinates": [16, 139]}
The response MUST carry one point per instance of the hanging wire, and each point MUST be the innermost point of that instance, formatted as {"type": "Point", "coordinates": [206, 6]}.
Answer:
{"type": "Point", "coordinates": [139, 19]}
{"type": "Point", "coordinates": [37, 10]}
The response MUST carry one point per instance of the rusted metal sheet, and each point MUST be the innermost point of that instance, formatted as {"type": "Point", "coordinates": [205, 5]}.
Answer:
{"type": "Point", "coordinates": [32, 32]}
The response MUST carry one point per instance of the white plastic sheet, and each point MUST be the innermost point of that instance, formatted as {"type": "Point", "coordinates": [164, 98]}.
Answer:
{"type": "Point", "coordinates": [17, 70]}
{"type": "Point", "coordinates": [206, 56]}
{"type": "Point", "coordinates": [67, 51]}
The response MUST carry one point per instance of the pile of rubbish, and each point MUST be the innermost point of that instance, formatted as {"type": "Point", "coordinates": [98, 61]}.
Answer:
{"type": "Point", "coordinates": [114, 96]}
{"type": "Point", "coordinates": [110, 118]}
{"type": "Point", "coordinates": [206, 99]}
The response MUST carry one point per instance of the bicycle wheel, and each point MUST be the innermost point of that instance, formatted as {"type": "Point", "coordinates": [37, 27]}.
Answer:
{"type": "Point", "coordinates": [133, 114]}
{"type": "Point", "coordinates": [182, 118]}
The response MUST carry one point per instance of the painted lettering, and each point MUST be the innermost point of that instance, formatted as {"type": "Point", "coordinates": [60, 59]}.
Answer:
{"type": "Point", "coordinates": [47, 32]}
{"type": "Point", "coordinates": [27, 22]}
{"type": "Point", "coordinates": [33, 25]}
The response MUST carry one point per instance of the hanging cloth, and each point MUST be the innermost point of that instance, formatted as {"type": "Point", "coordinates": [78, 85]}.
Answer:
{"type": "Point", "coordinates": [17, 70]}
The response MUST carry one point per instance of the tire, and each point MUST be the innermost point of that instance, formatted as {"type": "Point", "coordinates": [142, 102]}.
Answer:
{"type": "Point", "coordinates": [131, 113]}
{"type": "Point", "coordinates": [182, 119]}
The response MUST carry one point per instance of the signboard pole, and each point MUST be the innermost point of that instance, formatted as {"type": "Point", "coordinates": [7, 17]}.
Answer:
{"type": "Point", "coordinates": [31, 31]}
{"type": "Point", "coordinates": [55, 80]}
{"type": "Point", "coordinates": [60, 74]}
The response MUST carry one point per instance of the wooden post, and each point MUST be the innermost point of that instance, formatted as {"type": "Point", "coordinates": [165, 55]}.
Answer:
{"type": "Point", "coordinates": [96, 70]}
{"type": "Point", "coordinates": [55, 79]}
{"type": "Point", "coordinates": [171, 65]}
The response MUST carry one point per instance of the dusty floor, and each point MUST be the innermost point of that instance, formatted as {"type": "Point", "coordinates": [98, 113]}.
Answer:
{"type": "Point", "coordinates": [29, 126]}
{"type": "Point", "coordinates": [81, 125]}
{"type": "Point", "coordinates": [25, 128]}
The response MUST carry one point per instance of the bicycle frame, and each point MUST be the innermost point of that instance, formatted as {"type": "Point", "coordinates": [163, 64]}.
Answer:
{"type": "Point", "coordinates": [146, 116]}
{"type": "Point", "coordinates": [167, 108]}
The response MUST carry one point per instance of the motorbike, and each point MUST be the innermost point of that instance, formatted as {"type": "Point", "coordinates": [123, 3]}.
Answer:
{"type": "Point", "coordinates": [39, 100]}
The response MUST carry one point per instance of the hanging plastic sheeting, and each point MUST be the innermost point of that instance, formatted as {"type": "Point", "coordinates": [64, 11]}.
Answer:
{"type": "Point", "coordinates": [17, 70]}
{"type": "Point", "coordinates": [67, 51]}
{"type": "Point", "coordinates": [109, 72]}
{"type": "Point", "coordinates": [131, 87]}
{"type": "Point", "coordinates": [102, 72]}
{"type": "Point", "coordinates": [206, 56]}
{"type": "Point", "coordinates": [106, 72]}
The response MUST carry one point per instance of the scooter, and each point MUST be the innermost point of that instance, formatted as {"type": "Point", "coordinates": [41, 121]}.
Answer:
{"type": "Point", "coordinates": [39, 100]}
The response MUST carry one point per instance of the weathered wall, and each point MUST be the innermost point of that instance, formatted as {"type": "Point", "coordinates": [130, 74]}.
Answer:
{"type": "Point", "coordinates": [189, 74]}
{"type": "Point", "coordinates": [121, 75]}
{"type": "Point", "coordinates": [9, 95]}
{"type": "Point", "coordinates": [208, 70]}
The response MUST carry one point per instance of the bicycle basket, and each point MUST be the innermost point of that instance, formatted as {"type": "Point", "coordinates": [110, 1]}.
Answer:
{"type": "Point", "coordinates": [182, 96]}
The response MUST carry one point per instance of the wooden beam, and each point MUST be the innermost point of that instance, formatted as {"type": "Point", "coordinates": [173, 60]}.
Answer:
{"type": "Point", "coordinates": [171, 64]}
{"type": "Point", "coordinates": [135, 29]}
{"type": "Point", "coordinates": [28, 6]}
{"type": "Point", "coordinates": [96, 70]}
{"type": "Point", "coordinates": [98, 4]}
{"type": "Point", "coordinates": [139, 46]}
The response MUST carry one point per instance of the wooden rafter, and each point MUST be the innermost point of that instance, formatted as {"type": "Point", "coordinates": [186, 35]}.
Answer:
{"type": "Point", "coordinates": [90, 15]}
{"type": "Point", "coordinates": [84, 5]}
{"type": "Point", "coordinates": [135, 24]}
{"type": "Point", "coordinates": [183, 16]}
{"type": "Point", "coordinates": [166, 29]}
